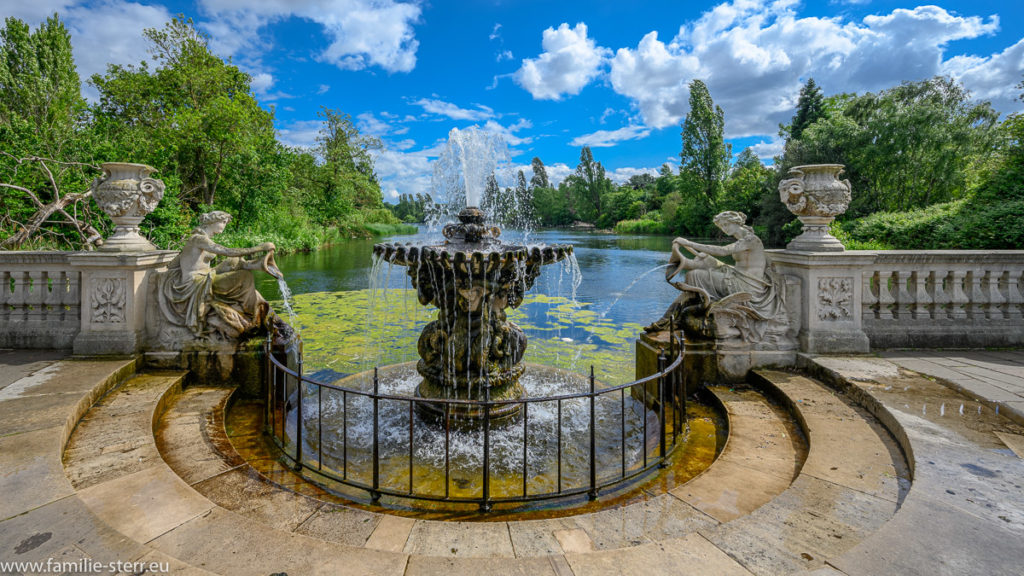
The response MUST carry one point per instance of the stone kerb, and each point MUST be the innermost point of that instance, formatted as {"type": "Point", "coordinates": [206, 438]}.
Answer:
{"type": "Point", "coordinates": [114, 296]}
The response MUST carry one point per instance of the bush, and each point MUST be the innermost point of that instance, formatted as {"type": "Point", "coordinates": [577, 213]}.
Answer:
{"type": "Point", "coordinates": [641, 226]}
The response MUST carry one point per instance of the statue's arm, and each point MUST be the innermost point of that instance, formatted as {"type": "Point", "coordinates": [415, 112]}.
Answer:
{"type": "Point", "coordinates": [211, 246]}
{"type": "Point", "coordinates": [717, 251]}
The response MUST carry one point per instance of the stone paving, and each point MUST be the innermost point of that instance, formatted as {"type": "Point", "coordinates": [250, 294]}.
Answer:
{"type": "Point", "coordinates": [151, 474]}
{"type": "Point", "coordinates": [993, 376]}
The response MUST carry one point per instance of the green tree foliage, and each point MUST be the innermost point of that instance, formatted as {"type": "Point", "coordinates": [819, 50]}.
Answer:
{"type": "Point", "coordinates": [705, 153]}
{"type": "Point", "coordinates": [904, 148]}
{"type": "Point", "coordinates": [588, 186]}
{"type": "Point", "coordinates": [749, 180]}
{"type": "Point", "coordinates": [551, 205]}
{"type": "Point", "coordinates": [197, 106]}
{"type": "Point", "coordinates": [809, 108]}
{"type": "Point", "coordinates": [411, 208]}
{"type": "Point", "coordinates": [540, 174]}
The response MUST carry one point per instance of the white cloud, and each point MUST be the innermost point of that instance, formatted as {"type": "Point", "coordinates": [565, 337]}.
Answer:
{"type": "Point", "coordinates": [768, 149]}
{"type": "Point", "coordinates": [620, 175]}
{"type": "Point", "coordinates": [569, 62]}
{"type": "Point", "coordinates": [508, 132]}
{"type": "Point", "coordinates": [993, 78]}
{"type": "Point", "coordinates": [495, 33]}
{"type": "Point", "coordinates": [262, 82]}
{"type": "Point", "coordinates": [403, 171]}
{"type": "Point", "coordinates": [442, 108]}
{"type": "Point", "coordinates": [323, 89]}
{"type": "Point", "coordinates": [362, 33]}
{"type": "Point", "coordinates": [35, 11]}
{"type": "Point", "coordinates": [754, 59]}
{"type": "Point", "coordinates": [505, 55]}
{"type": "Point", "coordinates": [606, 138]}
{"type": "Point", "coordinates": [301, 134]}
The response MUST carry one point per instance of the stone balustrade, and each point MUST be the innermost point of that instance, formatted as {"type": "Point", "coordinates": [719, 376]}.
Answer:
{"type": "Point", "coordinates": [40, 300]}
{"type": "Point", "coordinates": [943, 298]}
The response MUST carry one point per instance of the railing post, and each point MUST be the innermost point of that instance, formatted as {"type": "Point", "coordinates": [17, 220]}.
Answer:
{"type": "Point", "coordinates": [593, 438]}
{"type": "Point", "coordinates": [298, 417]}
{"type": "Point", "coordinates": [485, 505]}
{"type": "Point", "coordinates": [662, 364]}
{"type": "Point", "coordinates": [268, 379]}
{"type": "Point", "coordinates": [375, 492]}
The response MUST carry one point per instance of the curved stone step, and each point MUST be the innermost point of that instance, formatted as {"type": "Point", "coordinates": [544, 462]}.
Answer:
{"type": "Point", "coordinates": [964, 513]}
{"type": "Point", "coordinates": [763, 435]}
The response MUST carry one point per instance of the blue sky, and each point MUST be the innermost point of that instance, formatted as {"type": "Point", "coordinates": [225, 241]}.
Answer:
{"type": "Point", "coordinates": [554, 76]}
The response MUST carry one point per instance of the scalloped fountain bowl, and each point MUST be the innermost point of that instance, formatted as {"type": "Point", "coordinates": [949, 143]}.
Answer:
{"type": "Point", "coordinates": [472, 351]}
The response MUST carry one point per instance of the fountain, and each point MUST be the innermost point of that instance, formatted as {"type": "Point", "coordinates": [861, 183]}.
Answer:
{"type": "Point", "coordinates": [472, 351]}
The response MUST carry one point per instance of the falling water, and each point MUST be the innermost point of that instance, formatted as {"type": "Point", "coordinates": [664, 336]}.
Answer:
{"type": "Point", "coordinates": [286, 296]}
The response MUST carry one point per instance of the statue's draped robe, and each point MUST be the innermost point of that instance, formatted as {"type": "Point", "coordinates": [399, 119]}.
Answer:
{"type": "Point", "coordinates": [222, 301]}
{"type": "Point", "coordinates": [767, 294]}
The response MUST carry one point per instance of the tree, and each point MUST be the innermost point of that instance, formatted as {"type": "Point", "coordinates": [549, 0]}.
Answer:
{"type": "Point", "coordinates": [40, 93]}
{"type": "Point", "coordinates": [194, 105]}
{"type": "Point", "coordinates": [588, 186]}
{"type": "Point", "coordinates": [523, 199]}
{"type": "Point", "coordinates": [705, 153]}
{"type": "Point", "coordinates": [906, 147]}
{"type": "Point", "coordinates": [748, 181]}
{"type": "Point", "coordinates": [540, 175]}
{"type": "Point", "coordinates": [44, 169]}
{"type": "Point", "coordinates": [809, 108]}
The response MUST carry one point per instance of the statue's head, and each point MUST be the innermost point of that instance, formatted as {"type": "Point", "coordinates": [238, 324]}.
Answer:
{"type": "Point", "coordinates": [730, 218]}
{"type": "Point", "coordinates": [214, 222]}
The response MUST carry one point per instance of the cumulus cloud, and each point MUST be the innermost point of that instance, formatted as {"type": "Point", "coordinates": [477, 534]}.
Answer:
{"type": "Point", "coordinates": [569, 62]}
{"type": "Point", "coordinates": [621, 175]}
{"type": "Point", "coordinates": [606, 138]}
{"type": "Point", "coordinates": [442, 108]}
{"type": "Point", "coordinates": [300, 134]}
{"type": "Point", "coordinates": [362, 33]}
{"type": "Point", "coordinates": [262, 82]}
{"type": "Point", "coordinates": [405, 171]}
{"type": "Point", "coordinates": [508, 133]}
{"type": "Point", "coordinates": [754, 57]}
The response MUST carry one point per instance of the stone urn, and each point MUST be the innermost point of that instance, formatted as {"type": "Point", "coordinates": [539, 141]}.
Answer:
{"type": "Point", "coordinates": [127, 193]}
{"type": "Point", "coordinates": [816, 195]}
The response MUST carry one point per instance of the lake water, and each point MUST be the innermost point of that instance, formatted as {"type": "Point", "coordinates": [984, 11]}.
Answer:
{"type": "Point", "coordinates": [345, 327]}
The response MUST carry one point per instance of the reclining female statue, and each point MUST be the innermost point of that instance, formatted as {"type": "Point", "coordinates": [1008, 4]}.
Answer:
{"type": "Point", "coordinates": [220, 302]}
{"type": "Point", "coordinates": [747, 291]}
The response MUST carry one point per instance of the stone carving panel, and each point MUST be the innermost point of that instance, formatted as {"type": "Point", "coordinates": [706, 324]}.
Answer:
{"type": "Point", "coordinates": [108, 301]}
{"type": "Point", "coordinates": [835, 298]}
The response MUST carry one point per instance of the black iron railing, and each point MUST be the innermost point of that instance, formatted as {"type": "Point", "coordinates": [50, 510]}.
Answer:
{"type": "Point", "coordinates": [660, 396]}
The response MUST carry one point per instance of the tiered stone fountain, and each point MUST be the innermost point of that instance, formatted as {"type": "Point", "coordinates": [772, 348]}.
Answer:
{"type": "Point", "coordinates": [472, 351]}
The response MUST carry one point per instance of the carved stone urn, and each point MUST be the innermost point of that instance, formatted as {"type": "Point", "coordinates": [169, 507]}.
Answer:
{"type": "Point", "coordinates": [127, 193]}
{"type": "Point", "coordinates": [816, 196]}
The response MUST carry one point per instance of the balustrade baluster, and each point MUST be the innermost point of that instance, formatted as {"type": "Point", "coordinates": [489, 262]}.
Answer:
{"type": "Point", "coordinates": [1014, 294]}
{"type": "Point", "coordinates": [959, 300]}
{"type": "Point", "coordinates": [886, 298]}
{"type": "Point", "coordinates": [5, 297]}
{"type": "Point", "coordinates": [920, 281]}
{"type": "Point", "coordinates": [942, 294]}
{"type": "Point", "coordinates": [869, 295]}
{"type": "Point", "coordinates": [994, 300]}
{"type": "Point", "coordinates": [904, 299]}
{"type": "Point", "coordinates": [975, 296]}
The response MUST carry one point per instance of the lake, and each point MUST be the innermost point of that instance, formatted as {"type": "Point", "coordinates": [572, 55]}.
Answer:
{"type": "Point", "coordinates": [346, 326]}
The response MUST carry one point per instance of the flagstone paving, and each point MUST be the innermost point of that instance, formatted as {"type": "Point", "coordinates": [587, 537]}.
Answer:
{"type": "Point", "coordinates": [888, 471]}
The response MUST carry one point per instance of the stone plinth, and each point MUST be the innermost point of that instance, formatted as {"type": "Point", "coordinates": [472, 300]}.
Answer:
{"type": "Point", "coordinates": [830, 298]}
{"type": "Point", "coordinates": [114, 294]}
